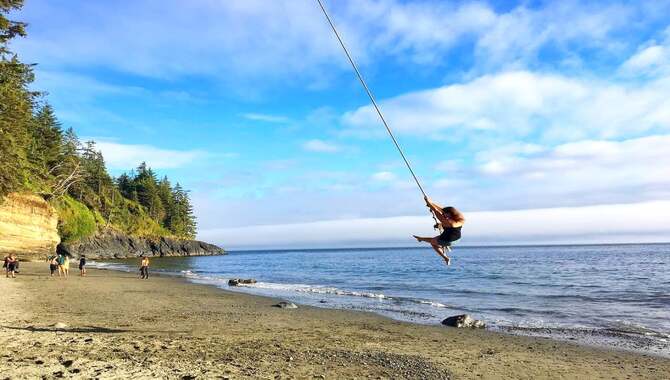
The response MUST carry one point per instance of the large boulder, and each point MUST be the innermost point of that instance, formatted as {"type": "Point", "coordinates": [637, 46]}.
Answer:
{"type": "Point", "coordinates": [463, 321]}
{"type": "Point", "coordinates": [240, 281]}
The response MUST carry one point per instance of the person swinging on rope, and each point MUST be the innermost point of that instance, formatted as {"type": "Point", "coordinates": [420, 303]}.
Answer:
{"type": "Point", "coordinates": [451, 220]}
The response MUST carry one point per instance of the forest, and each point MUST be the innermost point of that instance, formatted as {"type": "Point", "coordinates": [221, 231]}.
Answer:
{"type": "Point", "coordinates": [38, 155]}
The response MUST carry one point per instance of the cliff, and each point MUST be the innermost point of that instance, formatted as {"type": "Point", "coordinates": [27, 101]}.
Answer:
{"type": "Point", "coordinates": [110, 244]}
{"type": "Point", "coordinates": [28, 226]}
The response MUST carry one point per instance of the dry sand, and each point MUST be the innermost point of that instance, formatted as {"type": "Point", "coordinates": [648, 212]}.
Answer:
{"type": "Point", "coordinates": [121, 327]}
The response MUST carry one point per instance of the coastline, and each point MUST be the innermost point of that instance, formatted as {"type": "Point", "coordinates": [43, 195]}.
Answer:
{"type": "Point", "coordinates": [119, 326]}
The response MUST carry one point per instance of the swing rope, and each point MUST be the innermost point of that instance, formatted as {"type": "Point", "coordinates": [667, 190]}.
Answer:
{"type": "Point", "coordinates": [374, 102]}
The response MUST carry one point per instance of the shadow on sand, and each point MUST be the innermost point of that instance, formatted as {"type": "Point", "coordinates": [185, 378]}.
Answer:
{"type": "Point", "coordinates": [83, 329]}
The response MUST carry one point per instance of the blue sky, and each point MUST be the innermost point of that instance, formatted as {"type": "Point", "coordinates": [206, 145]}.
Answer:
{"type": "Point", "coordinates": [502, 107]}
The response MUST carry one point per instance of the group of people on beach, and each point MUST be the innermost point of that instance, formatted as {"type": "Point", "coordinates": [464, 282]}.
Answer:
{"type": "Point", "coordinates": [60, 264]}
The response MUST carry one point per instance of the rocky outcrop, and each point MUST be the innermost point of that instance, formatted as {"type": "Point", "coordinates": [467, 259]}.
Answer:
{"type": "Point", "coordinates": [110, 244]}
{"type": "Point", "coordinates": [463, 321]}
{"type": "Point", "coordinates": [28, 227]}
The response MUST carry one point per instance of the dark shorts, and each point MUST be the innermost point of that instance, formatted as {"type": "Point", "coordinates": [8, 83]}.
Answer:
{"type": "Point", "coordinates": [447, 237]}
{"type": "Point", "coordinates": [53, 267]}
{"type": "Point", "coordinates": [11, 267]}
{"type": "Point", "coordinates": [81, 267]}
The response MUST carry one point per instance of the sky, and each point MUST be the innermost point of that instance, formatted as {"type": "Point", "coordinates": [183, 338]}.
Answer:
{"type": "Point", "coordinates": [545, 122]}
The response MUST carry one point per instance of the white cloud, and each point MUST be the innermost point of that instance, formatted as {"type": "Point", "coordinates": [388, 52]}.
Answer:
{"type": "Point", "coordinates": [577, 173]}
{"type": "Point", "coordinates": [127, 156]}
{"type": "Point", "coordinates": [520, 103]}
{"type": "Point", "coordinates": [590, 164]}
{"type": "Point", "coordinates": [652, 58]}
{"type": "Point", "coordinates": [266, 118]}
{"type": "Point", "coordinates": [320, 146]}
{"type": "Point", "coordinates": [516, 37]}
{"type": "Point", "coordinates": [646, 58]}
{"type": "Point", "coordinates": [608, 223]}
{"type": "Point", "coordinates": [384, 176]}
{"type": "Point", "coordinates": [237, 39]}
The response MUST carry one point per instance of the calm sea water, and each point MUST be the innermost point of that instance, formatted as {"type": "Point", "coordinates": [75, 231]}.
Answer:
{"type": "Point", "coordinates": [612, 295]}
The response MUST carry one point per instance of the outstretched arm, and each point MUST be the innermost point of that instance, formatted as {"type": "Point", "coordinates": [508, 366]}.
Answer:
{"type": "Point", "coordinates": [434, 207]}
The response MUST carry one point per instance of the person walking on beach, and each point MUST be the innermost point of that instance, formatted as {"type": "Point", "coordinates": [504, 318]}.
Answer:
{"type": "Point", "coordinates": [53, 265]}
{"type": "Point", "coordinates": [11, 263]}
{"type": "Point", "coordinates": [66, 266]}
{"type": "Point", "coordinates": [63, 265]}
{"type": "Point", "coordinates": [144, 268]}
{"type": "Point", "coordinates": [451, 220]}
{"type": "Point", "coordinates": [82, 266]}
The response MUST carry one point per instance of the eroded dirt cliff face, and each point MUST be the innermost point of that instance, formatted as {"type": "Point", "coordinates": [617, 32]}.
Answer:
{"type": "Point", "coordinates": [28, 227]}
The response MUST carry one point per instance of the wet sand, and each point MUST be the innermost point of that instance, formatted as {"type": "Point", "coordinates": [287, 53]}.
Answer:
{"type": "Point", "coordinates": [121, 327]}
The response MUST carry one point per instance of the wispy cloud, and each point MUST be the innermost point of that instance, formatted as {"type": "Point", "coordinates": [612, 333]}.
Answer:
{"type": "Point", "coordinates": [570, 224]}
{"type": "Point", "coordinates": [120, 156]}
{"type": "Point", "coordinates": [261, 39]}
{"type": "Point", "coordinates": [384, 176]}
{"type": "Point", "coordinates": [320, 146]}
{"type": "Point", "coordinates": [266, 118]}
{"type": "Point", "coordinates": [653, 58]}
{"type": "Point", "coordinates": [520, 103]}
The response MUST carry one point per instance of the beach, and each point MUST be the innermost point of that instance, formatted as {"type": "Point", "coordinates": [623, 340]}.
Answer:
{"type": "Point", "coordinates": [119, 326]}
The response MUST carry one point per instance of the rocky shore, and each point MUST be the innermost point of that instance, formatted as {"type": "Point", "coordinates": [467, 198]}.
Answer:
{"type": "Point", "coordinates": [113, 245]}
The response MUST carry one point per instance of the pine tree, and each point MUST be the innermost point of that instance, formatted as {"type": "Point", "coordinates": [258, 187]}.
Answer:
{"type": "Point", "coordinates": [16, 102]}
{"type": "Point", "coordinates": [36, 153]}
{"type": "Point", "coordinates": [47, 139]}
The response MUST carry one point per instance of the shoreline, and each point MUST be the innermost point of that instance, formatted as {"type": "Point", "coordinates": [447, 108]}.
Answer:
{"type": "Point", "coordinates": [169, 327]}
{"type": "Point", "coordinates": [589, 337]}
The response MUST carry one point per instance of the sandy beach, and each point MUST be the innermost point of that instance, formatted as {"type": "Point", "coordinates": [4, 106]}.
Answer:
{"type": "Point", "coordinates": [118, 326]}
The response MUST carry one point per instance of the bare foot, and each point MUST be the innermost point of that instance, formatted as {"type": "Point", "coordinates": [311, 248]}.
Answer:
{"type": "Point", "coordinates": [447, 260]}
{"type": "Point", "coordinates": [417, 238]}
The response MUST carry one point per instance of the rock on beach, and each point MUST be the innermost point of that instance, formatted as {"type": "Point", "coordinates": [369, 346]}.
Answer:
{"type": "Point", "coordinates": [239, 281]}
{"type": "Point", "coordinates": [464, 321]}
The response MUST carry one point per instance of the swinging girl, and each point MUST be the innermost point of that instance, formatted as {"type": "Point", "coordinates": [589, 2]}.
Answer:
{"type": "Point", "coordinates": [451, 220]}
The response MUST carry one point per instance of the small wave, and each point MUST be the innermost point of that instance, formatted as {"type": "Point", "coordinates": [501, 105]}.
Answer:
{"type": "Point", "coordinates": [316, 289]}
{"type": "Point", "coordinates": [433, 304]}
{"type": "Point", "coordinates": [110, 266]}
{"type": "Point", "coordinates": [313, 289]}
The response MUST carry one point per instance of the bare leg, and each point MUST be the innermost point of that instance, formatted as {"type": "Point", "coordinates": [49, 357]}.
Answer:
{"type": "Point", "coordinates": [436, 246]}
{"type": "Point", "coordinates": [423, 239]}
{"type": "Point", "coordinates": [440, 251]}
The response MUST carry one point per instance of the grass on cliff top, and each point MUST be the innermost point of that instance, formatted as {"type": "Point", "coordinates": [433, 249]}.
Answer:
{"type": "Point", "coordinates": [76, 221]}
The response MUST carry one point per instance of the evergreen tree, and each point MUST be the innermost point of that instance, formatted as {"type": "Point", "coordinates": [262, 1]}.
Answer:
{"type": "Point", "coordinates": [36, 153]}
{"type": "Point", "coordinates": [183, 222]}
{"type": "Point", "coordinates": [47, 139]}
{"type": "Point", "coordinates": [16, 102]}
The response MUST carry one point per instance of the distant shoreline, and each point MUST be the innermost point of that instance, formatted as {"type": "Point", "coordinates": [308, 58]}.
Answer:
{"type": "Point", "coordinates": [456, 246]}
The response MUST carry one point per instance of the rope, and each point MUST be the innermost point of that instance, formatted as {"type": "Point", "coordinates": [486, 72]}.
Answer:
{"type": "Point", "coordinates": [372, 99]}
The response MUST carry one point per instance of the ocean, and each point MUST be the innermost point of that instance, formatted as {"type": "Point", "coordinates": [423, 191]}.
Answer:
{"type": "Point", "coordinates": [602, 295]}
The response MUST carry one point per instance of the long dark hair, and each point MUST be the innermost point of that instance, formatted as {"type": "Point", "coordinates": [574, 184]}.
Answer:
{"type": "Point", "coordinates": [454, 214]}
